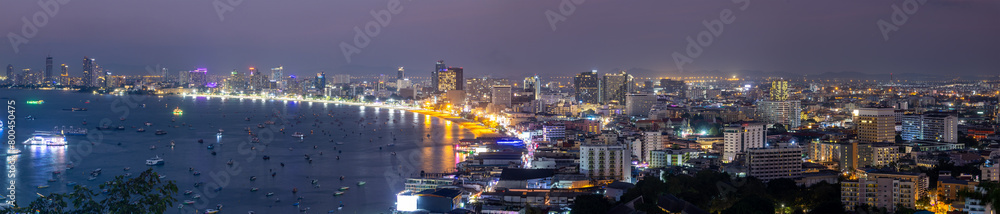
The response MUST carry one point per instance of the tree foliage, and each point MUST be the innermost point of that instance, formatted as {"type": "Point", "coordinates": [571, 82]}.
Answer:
{"type": "Point", "coordinates": [145, 193]}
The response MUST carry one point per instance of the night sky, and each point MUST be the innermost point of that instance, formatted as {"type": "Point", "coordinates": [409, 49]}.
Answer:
{"type": "Point", "coordinates": [512, 38]}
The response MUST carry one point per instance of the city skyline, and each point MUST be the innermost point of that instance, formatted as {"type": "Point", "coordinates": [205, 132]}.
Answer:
{"type": "Point", "coordinates": [518, 39]}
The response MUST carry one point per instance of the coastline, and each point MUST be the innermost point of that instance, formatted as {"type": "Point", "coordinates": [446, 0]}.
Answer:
{"type": "Point", "coordinates": [476, 128]}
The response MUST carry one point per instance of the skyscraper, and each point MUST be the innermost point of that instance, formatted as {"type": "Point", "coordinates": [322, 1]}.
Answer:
{"type": "Point", "coordinates": [615, 86]}
{"type": "Point", "coordinates": [788, 113]}
{"type": "Point", "coordinates": [779, 90]}
{"type": "Point", "coordinates": [450, 79]}
{"type": "Point", "coordinates": [48, 71]}
{"type": "Point", "coordinates": [438, 67]}
{"type": "Point", "coordinates": [64, 75]}
{"type": "Point", "coordinates": [320, 82]}
{"type": "Point", "coordinates": [277, 77]}
{"type": "Point", "coordinates": [199, 77]}
{"type": "Point", "coordinates": [400, 74]}
{"type": "Point", "coordinates": [673, 87]}
{"type": "Point", "coordinates": [10, 73]}
{"type": "Point", "coordinates": [930, 126]}
{"type": "Point", "coordinates": [588, 87]}
{"type": "Point", "coordinates": [89, 77]}
{"type": "Point", "coordinates": [533, 84]}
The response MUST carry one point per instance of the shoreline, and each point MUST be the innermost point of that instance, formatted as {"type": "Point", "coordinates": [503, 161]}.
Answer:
{"type": "Point", "coordinates": [476, 128]}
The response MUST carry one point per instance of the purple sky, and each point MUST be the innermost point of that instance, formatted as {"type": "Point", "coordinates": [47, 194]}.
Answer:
{"type": "Point", "coordinates": [512, 38]}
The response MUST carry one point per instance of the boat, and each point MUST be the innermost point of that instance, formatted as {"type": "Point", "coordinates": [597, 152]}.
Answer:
{"type": "Point", "coordinates": [178, 111]}
{"type": "Point", "coordinates": [160, 132]}
{"type": "Point", "coordinates": [340, 143]}
{"type": "Point", "coordinates": [188, 192]}
{"type": "Point", "coordinates": [298, 135]}
{"type": "Point", "coordinates": [196, 196]}
{"type": "Point", "coordinates": [344, 188]}
{"type": "Point", "coordinates": [196, 173]}
{"type": "Point", "coordinates": [188, 202]}
{"type": "Point", "coordinates": [338, 193]}
{"type": "Point", "coordinates": [92, 178]}
{"type": "Point", "coordinates": [211, 147]}
{"type": "Point", "coordinates": [361, 183]}
{"type": "Point", "coordinates": [152, 147]}
{"type": "Point", "coordinates": [162, 176]}
{"type": "Point", "coordinates": [69, 131]}
{"type": "Point", "coordinates": [75, 109]}
{"type": "Point", "coordinates": [260, 126]}
{"type": "Point", "coordinates": [43, 186]}
{"type": "Point", "coordinates": [140, 130]}
{"type": "Point", "coordinates": [121, 127]}
{"type": "Point", "coordinates": [154, 161]}
{"type": "Point", "coordinates": [29, 117]}
{"type": "Point", "coordinates": [254, 189]}
{"type": "Point", "coordinates": [209, 211]}
{"type": "Point", "coordinates": [269, 194]}
{"type": "Point", "coordinates": [128, 174]}
{"type": "Point", "coordinates": [71, 183]}
{"type": "Point", "coordinates": [13, 151]}
{"type": "Point", "coordinates": [52, 180]}
{"type": "Point", "coordinates": [148, 124]}
{"type": "Point", "coordinates": [46, 138]}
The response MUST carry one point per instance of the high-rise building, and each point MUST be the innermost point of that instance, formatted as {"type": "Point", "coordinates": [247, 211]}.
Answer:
{"type": "Point", "coordinates": [89, 76]}
{"type": "Point", "coordinates": [450, 79]}
{"type": "Point", "coordinates": [615, 86]}
{"type": "Point", "coordinates": [673, 87]}
{"type": "Point", "coordinates": [276, 74]}
{"type": "Point", "coordinates": [876, 125]}
{"type": "Point", "coordinates": [780, 160]}
{"type": "Point", "coordinates": [639, 104]}
{"type": "Point", "coordinates": [606, 161]}
{"type": "Point", "coordinates": [941, 127]}
{"type": "Point", "coordinates": [480, 89]}
{"type": "Point", "coordinates": [63, 75]}
{"type": "Point", "coordinates": [779, 90]}
{"type": "Point", "coordinates": [199, 77]}
{"type": "Point", "coordinates": [10, 73]}
{"type": "Point", "coordinates": [403, 84]}
{"type": "Point", "coordinates": [400, 74]}
{"type": "Point", "coordinates": [884, 190]}
{"type": "Point", "coordinates": [237, 81]}
{"type": "Point", "coordinates": [320, 82]}
{"type": "Point", "coordinates": [533, 84]}
{"type": "Point", "coordinates": [47, 77]}
{"type": "Point", "coordinates": [738, 138]}
{"type": "Point", "coordinates": [438, 67]}
{"type": "Point", "coordinates": [501, 95]}
{"type": "Point", "coordinates": [788, 113]}
{"type": "Point", "coordinates": [588, 87]}
{"type": "Point", "coordinates": [651, 141]}
{"type": "Point", "coordinates": [341, 79]}
{"type": "Point", "coordinates": [183, 78]}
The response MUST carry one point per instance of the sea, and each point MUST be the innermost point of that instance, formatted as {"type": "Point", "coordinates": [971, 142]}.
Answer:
{"type": "Point", "coordinates": [342, 146]}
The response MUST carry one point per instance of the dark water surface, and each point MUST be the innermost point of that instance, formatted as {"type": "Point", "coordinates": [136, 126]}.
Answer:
{"type": "Point", "coordinates": [357, 128]}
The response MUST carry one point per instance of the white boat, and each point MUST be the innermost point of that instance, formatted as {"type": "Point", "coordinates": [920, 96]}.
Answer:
{"type": "Point", "coordinates": [209, 211]}
{"type": "Point", "coordinates": [13, 151]}
{"type": "Point", "coordinates": [298, 135]}
{"type": "Point", "coordinates": [46, 138]}
{"type": "Point", "coordinates": [154, 161]}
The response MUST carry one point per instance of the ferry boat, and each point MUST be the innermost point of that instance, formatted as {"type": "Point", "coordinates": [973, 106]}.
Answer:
{"type": "Point", "coordinates": [178, 111]}
{"type": "Point", "coordinates": [298, 135]}
{"type": "Point", "coordinates": [154, 161]}
{"type": "Point", "coordinates": [46, 138]}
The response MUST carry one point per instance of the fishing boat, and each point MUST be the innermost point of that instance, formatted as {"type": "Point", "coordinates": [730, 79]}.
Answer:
{"type": "Point", "coordinates": [160, 132]}
{"type": "Point", "coordinates": [154, 161]}
{"type": "Point", "coordinates": [338, 193]}
{"type": "Point", "coordinates": [178, 111]}
{"type": "Point", "coordinates": [298, 135]}
{"type": "Point", "coordinates": [344, 188]}
{"type": "Point", "coordinates": [148, 124]}
{"type": "Point", "coordinates": [92, 178]}
{"type": "Point", "coordinates": [210, 211]}
{"type": "Point", "coordinates": [43, 186]}
{"type": "Point", "coordinates": [254, 189]}
{"type": "Point", "coordinates": [269, 194]}
{"type": "Point", "coordinates": [188, 192]}
{"type": "Point", "coordinates": [361, 183]}
{"type": "Point", "coordinates": [188, 202]}
{"type": "Point", "coordinates": [140, 130]}
{"type": "Point", "coordinates": [152, 147]}
{"type": "Point", "coordinates": [260, 126]}
{"type": "Point", "coordinates": [121, 127]}
{"type": "Point", "coordinates": [196, 196]}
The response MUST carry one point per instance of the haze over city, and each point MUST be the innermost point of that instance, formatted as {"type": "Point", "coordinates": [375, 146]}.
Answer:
{"type": "Point", "coordinates": [514, 37]}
